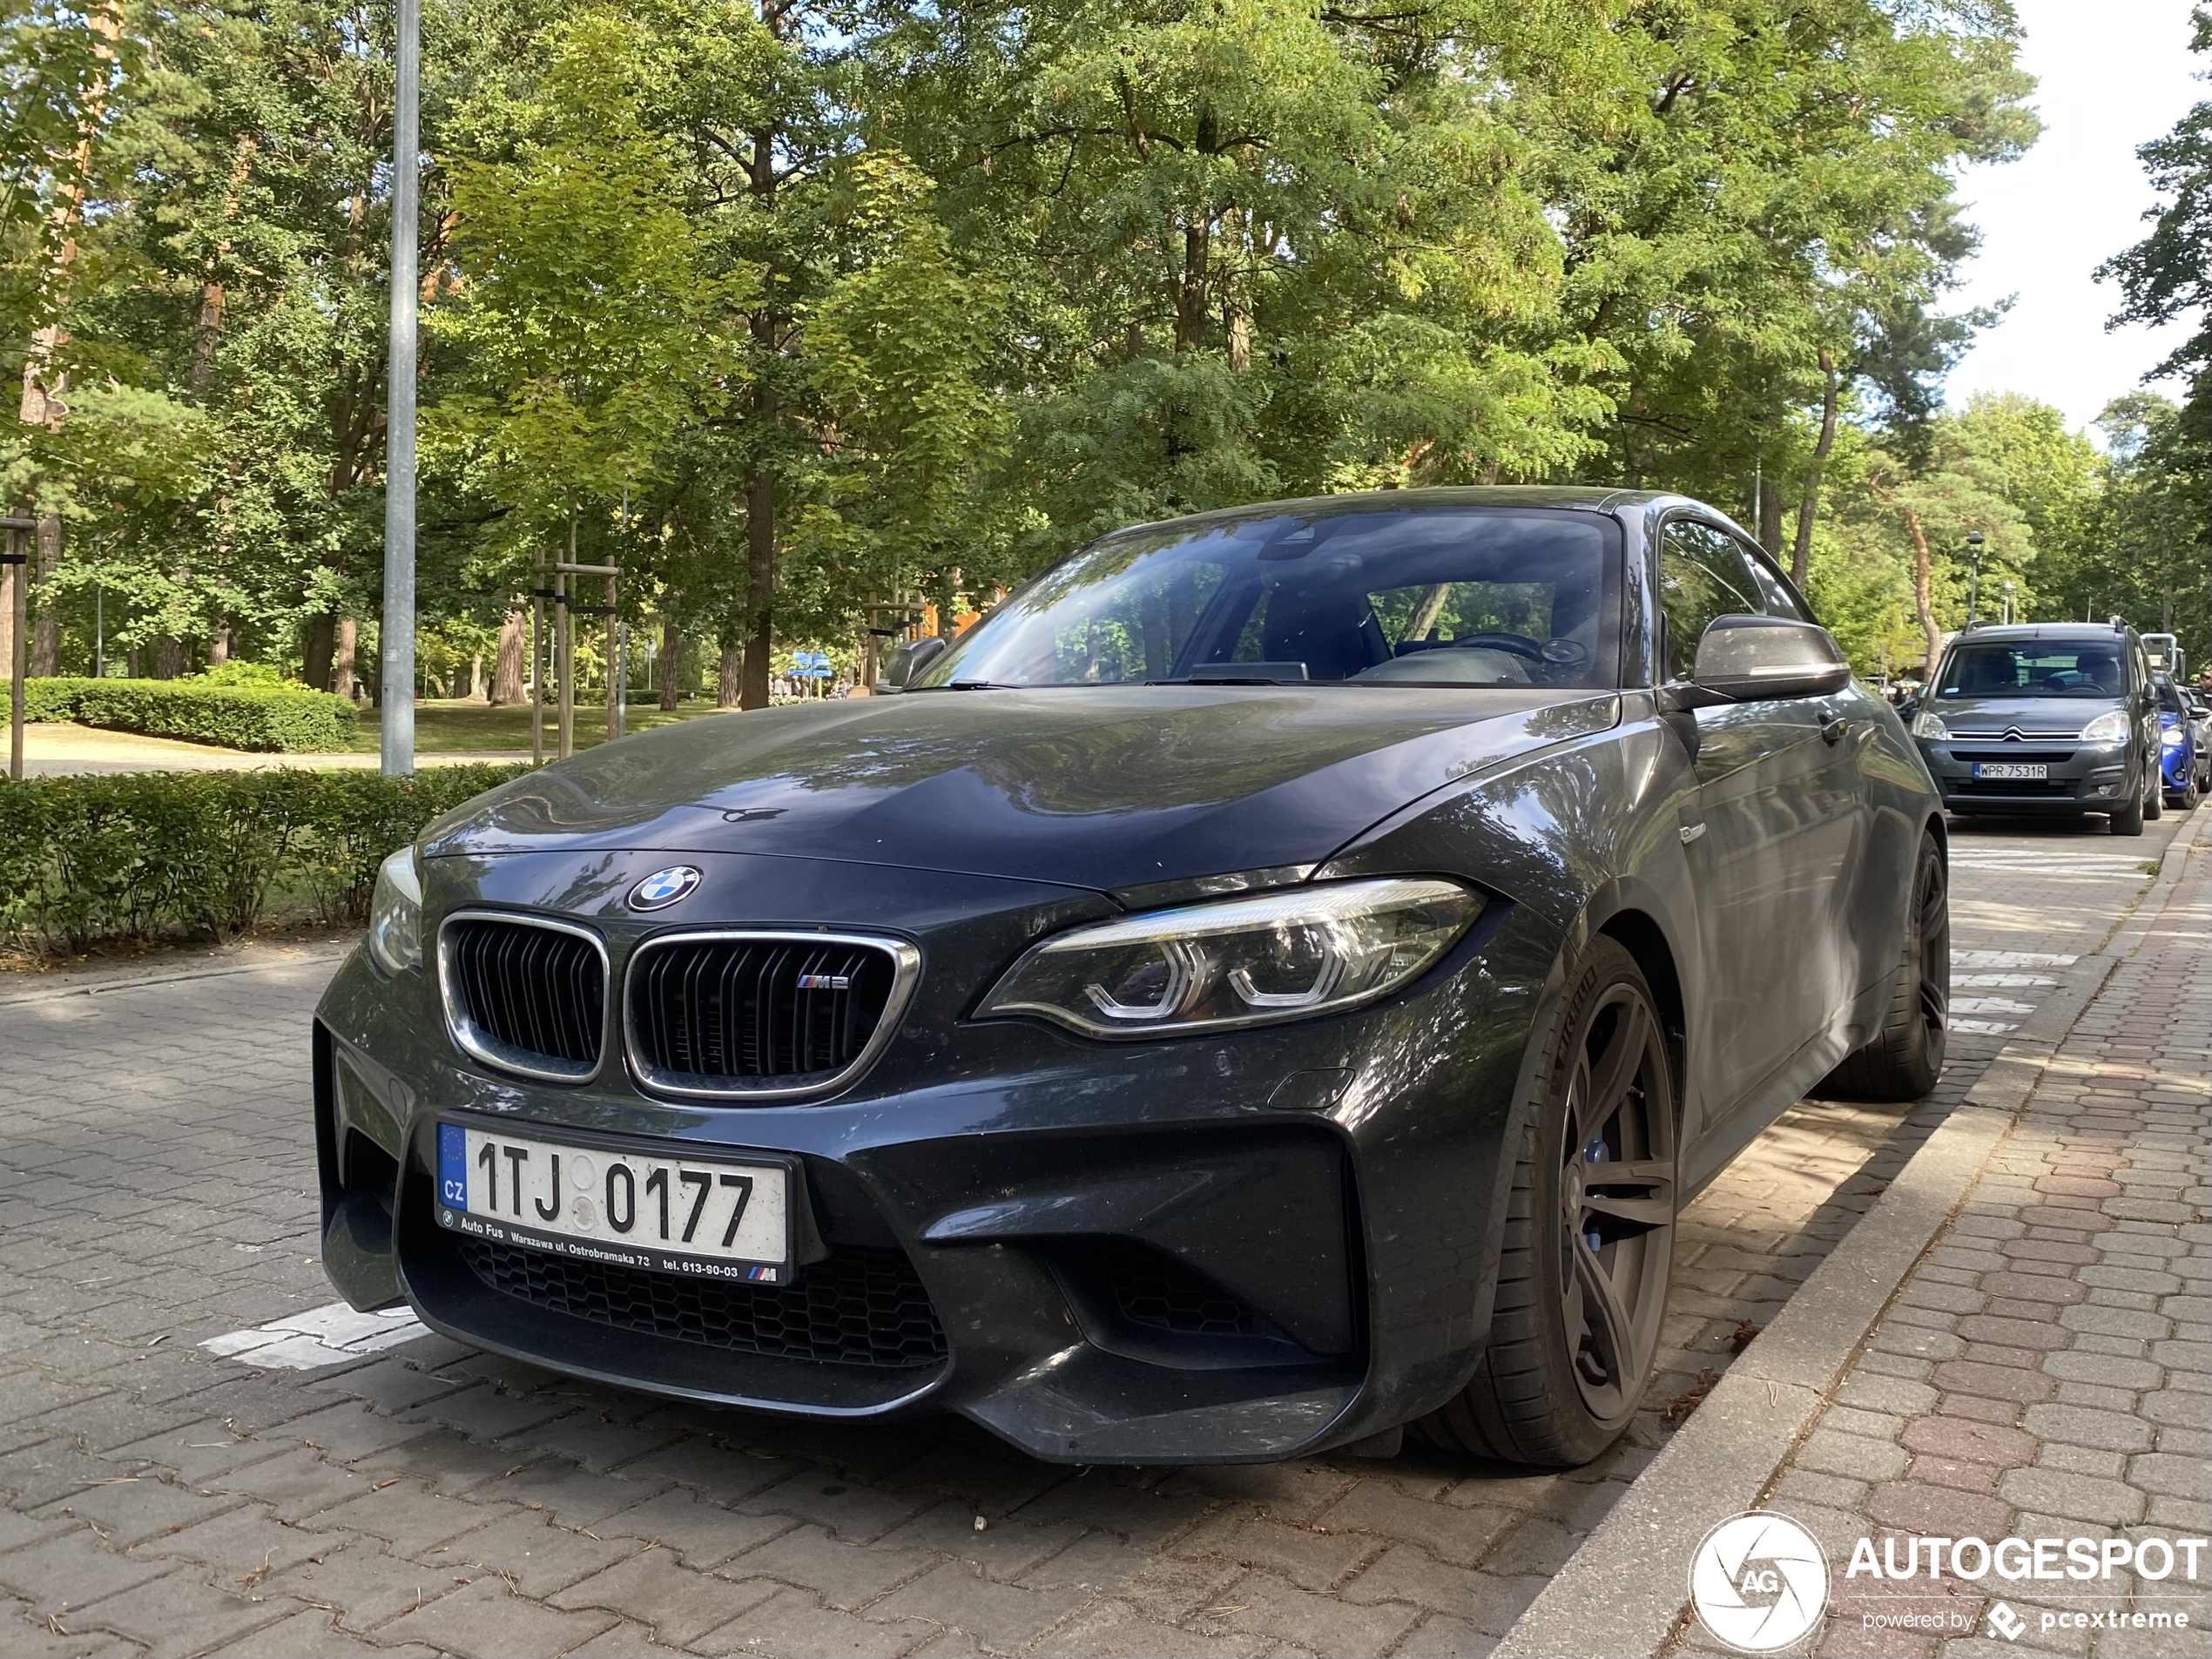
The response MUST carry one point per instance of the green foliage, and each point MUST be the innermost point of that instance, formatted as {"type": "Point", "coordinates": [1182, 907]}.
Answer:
{"type": "Point", "coordinates": [137, 856]}
{"type": "Point", "coordinates": [241, 714]}
{"type": "Point", "coordinates": [804, 312]}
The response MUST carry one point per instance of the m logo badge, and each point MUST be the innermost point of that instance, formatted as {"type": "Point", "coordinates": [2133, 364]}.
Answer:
{"type": "Point", "coordinates": [663, 888]}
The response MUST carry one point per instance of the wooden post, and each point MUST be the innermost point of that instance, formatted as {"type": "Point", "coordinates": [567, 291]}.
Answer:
{"type": "Point", "coordinates": [614, 667]}
{"type": "Point", "coordinates": [564, 661]}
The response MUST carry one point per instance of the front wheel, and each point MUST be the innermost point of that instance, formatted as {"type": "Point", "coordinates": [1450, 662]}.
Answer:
{"type": "Point", "coordinates": [1588, 1247]}
{"type": "Point", "coordinates": [1906, 1055]}
{"type": "Point", "coordinates": [2154, 803]}
{"type": "Point", "coordinates": [2129, 820]}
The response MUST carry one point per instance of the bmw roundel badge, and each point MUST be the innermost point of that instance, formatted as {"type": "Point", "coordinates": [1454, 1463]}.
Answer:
{"type": "Point", "coordinates": [663, 888]}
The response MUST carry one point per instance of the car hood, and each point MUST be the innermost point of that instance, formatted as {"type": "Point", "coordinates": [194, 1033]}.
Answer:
{"type": "Point", "coordinates": [1108, 787]}
{"type": "Point", "coordinates": [2051, 716]}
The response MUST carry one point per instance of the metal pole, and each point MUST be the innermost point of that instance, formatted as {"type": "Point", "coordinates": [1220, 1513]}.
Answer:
{"type": "Point", "coordinates": [395, 635]}
{"type": "Point", "coordinates": [1973, 576]}
{"type": "Point", "coordinates": [99, 630]}
{"type": "Point", "coordinates": [19, 611]}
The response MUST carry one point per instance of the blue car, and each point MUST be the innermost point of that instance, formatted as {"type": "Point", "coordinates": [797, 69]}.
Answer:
{"type": "Point", "coordinates": [2177, 745]}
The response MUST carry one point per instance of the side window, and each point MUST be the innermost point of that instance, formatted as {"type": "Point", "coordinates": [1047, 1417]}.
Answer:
{"type": "Point", "coordinates": [1773, 591]}
{"type": "Point", "coordinates": [1702, 574]}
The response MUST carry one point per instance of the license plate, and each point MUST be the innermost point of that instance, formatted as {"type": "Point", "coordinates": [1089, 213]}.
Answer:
{"type": "Point", "coordinates": [2011, 769]}
{"type": "Point", "coordinates": [706, 1217]}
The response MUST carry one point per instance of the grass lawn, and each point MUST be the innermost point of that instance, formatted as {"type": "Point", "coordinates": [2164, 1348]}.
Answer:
{"type": "Point", "coordinates": [468, 728]}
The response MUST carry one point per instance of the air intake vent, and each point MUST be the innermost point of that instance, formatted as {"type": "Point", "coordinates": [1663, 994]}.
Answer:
{"type": "Point", "coordinates": [762, 1016]}
{"type": "Point", "coordinates": [528, 996]}
{"type": "Point", "coordinates": [1151, 1288]}
{"type": "Point", "coordinates": [859, 1307]}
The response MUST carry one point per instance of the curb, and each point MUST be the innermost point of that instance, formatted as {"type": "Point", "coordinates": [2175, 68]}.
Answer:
{"type": "Point", "coordinates": [63, 983]}
{"type": "Point", "coordinates": [1624, 1590]}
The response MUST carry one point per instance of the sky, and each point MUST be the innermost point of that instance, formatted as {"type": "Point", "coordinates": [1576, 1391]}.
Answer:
{"type": "Point", "coordinates": [2111, 74]}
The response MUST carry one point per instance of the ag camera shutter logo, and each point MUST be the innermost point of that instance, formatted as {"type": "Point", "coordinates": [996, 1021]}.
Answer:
{"type": "Point", "coordinates": [1759, 1581]}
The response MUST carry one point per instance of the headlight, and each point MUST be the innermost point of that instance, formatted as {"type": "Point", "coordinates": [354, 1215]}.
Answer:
{"type": "Point", "coordinates": [2171, 738]}
{"type": "Point", "coordinates": [2110, 727]}
{"type": "Point", "coordinates": [1928, 724]}
{"type": "Point", "coordinates": [1247, 961]}
{"type": "Point", "coordinates": [395, 915]}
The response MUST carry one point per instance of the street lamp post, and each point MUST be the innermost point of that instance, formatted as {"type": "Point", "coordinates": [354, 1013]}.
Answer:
{"type": "Point", "coordinates": [2008, 605]}
{"type": "Point", "coordinates": [1973, 574]}
{"type": "Point", "coordinates": [395, 637]}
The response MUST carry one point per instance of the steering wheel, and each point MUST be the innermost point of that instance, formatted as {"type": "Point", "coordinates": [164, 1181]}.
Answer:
{"type": "Point", "coordinates": [1519, 644]}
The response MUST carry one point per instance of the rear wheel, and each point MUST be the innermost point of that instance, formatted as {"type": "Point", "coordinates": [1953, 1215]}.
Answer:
{"type": "Point", "coordinates": [1906, 1057]}
{"type": "Point", "coordinates": [1589, 1236]}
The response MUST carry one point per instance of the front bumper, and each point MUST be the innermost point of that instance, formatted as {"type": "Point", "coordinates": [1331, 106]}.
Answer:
{"type": "Point", "coordinates": [2081, 777]}
{"type": "Point", "coordinates": [1225, 1248]}
{"type": "Point", "coordinates": [2177, 766]}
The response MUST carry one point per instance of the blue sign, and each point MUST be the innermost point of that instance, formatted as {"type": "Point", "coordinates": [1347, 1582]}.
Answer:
{"type": "Point", "coordinates": [453, 1165]}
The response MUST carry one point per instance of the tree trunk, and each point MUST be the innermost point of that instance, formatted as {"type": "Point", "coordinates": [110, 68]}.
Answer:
{"type": "Point", "coordinates": [760, 570]}
{"type": "Point", "coordinates": [671, 663]}
{"type": "Point", "coordinates": [169, 659]}
{"type": "Point", "coordinates": [509, 687]}
{"type": "Point", "coordinates": [1923, 599]}
{"type": "Point", "coordinates": [725, 691]}
{"type": "Point", "coordinates": [317, 651]}
{"type": "Point", "coordinates": [1801, 549]}
{"type": "Point", "coordinates": [1190, 298]}
{"type": "Point", "coordinates": [1770, 516]}
{"type": "Point", "coordinates": [344, 682]}
{"type": "Point", "coordinates": [45, 649]}
{"type": "Point", "coordinates": [219, 644]}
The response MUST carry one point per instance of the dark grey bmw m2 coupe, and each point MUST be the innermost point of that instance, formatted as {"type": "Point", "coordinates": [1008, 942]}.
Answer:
{"type": "Point", "coordinates": [1273, 982]}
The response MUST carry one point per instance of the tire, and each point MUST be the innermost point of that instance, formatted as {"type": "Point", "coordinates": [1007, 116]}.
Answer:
{"type": "Point", "coordinates": [1906, 1057]}
{"type": "Point", "coordinates": [2128, 820]}
{"type": "Point", "coordinates": [2154, 803]}
{"type": "Point", "coordinates": [1577, 1327]}
{"type": "Point", "coordinates": [2186, 799]}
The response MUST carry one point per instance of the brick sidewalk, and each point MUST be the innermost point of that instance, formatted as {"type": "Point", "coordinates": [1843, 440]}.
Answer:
{"type": "Point", "coordinates": [2046, 1371]}
{"type": "Point", "coordinates": [156, 1188]}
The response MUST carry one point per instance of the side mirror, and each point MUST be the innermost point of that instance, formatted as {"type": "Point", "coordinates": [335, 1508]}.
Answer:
{"type": "Point", "coordinates": [1748, 659]}
{"type": "Point", "coordinates": [906, 662]}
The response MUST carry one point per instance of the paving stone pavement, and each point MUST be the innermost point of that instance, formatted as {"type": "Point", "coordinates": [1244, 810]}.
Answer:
{"type": "Point", "coordinates": [156, 1171]}
{"type": "Point", "coordinates": [2046, 1370]}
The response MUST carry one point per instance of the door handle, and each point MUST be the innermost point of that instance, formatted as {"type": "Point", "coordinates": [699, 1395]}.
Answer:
{"type": "Point", "coordinates": [1833, 726]}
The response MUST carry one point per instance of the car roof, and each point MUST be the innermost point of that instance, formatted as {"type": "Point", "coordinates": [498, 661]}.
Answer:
{"type": "Point", "coordinates": [1593, 498]}
{"type": "Point", "coordinates": [2001, 632]}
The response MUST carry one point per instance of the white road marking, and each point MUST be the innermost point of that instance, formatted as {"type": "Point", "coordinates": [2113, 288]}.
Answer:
{"type": "Point", "coordinates": [1998, 959]}
{"type": "Point", "coordinates": [1999, 970]}
{"type": "Point", "coordinates": [1990, 1005]}
{"type": "Point", "coordinates": [323, 1336]}
{"type": "Point", "coordinates": [2100, 866]}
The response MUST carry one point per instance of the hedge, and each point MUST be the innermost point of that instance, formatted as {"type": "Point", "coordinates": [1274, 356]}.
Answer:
{"type": "Point", "coordinates": [282, 719]}
{"type": "Point", "coordinates": [142, 855]}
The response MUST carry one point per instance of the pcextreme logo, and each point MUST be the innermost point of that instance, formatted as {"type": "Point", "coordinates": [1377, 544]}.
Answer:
{"type": "Point", "coordinates": [1759, 1581]}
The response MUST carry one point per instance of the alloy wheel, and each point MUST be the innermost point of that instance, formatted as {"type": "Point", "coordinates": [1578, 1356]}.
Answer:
{"type": "Point", "coordinates": [1616, 1202]}
{"type": "Point", "coordinates": [1932, 904]}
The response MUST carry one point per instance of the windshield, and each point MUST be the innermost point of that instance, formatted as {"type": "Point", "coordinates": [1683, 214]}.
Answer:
{"type": "Point", "coordinates": [2033, 668]}
{"type": "Point", "coordinates": [1428, 597]}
